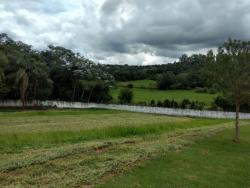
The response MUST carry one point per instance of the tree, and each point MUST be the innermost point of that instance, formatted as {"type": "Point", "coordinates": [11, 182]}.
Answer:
{"type": "Point", "coordinates": [166, 80]}
{"type": "Point", "coordinates": [125, 96]}
{"type": "Point", "coordinates": [75, 77]}
{"type": "Point", "coordinates": [231, 71]}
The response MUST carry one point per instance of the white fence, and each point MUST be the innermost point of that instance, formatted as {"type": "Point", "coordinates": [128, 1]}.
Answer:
{"type": "Point", "coordinates": [143, 109]}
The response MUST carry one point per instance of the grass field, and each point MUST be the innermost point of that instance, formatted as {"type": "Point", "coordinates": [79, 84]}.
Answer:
{"type": "Point", "coordinates": [146, 95]}
{"type": "Point", "coordinates": [84, 148]}
{"type": "Point", "coordinates": [213, 162]}
{"type": "Point", "coordinates": [145, 91]}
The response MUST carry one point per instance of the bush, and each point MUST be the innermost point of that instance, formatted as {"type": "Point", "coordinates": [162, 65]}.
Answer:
{"type": "Point", "coordinates": [125, 96]}
{"type": "Point", "coordinates": [185, 103]}
{"type": "Point", "coordinates": [200, 90]}
{"type": "Point", "coordinates": [196, 105]}
{"type": "Point", "coordinates": [174, 104]}
{"type": "Point", "coordinates": [212, 91]}
{"type": "Point", "coordinates": [130, 86]}
{"type": "Point", "coordinates": [166, 80]}
{"type": "Point", "coordinates": [214, 107]}
{"type": "Point", "coordinates": [142, 103]}
{"type": "Point", "coordinates": [223, 103]}
{"type": "Point", "coordinates": [152, 103]}
{"type": "Point", "coordinates": [159, 104]}
{"type": "Point", "coordinates": [167, 103]}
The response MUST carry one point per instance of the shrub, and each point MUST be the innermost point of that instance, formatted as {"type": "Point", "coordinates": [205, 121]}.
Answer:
{"type": "Point", "coordinates": [227, 105]}
{"type": "Point", "coordinates": [159, 104]}
{"type": "Point", "coordinates": [199, 105]}
{"type": "Point", "coordinates": [167, 103]}
{"type": "Point", "coordinates": [196, 105]}
{"type": "Point", "coordinates": [142, 103]}
{"type": "Point", "coordinates": [185, 103]}
{"type": "Point", "coordinates": [223, 103]}
{"type": "Point", "coordinates": [152, 103]}
{"type": "Point", "coordinates": [200, 90]}
{"type": "Point", "coordinates": [125, 96]}
{"type": "Point", "coordinates": [214, 107]}
{"type": "Point", "coordinates": [212, 91]}
{"type": "Point", "coordinates": [173, 104]}
{"type": "Point", "coordinates": [166, 80]}
{"type": "Point", "coordinates": [130, 86]}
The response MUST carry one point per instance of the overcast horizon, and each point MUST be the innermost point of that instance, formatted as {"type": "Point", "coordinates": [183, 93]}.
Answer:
{"type": "Point", "coordinates": [134, 32]}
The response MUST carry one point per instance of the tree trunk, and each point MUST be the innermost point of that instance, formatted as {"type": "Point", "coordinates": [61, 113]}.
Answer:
{"type": "Point", "coordinates": [23, 103]}
{"type": "Point", "coordinates": [90, 94]}
{"type": "Point", "coordinates": [74, 92]}
{"type": "Point", "coordinates": [237, 126]}
{"type": "Point", "coordinates": [22, 94]}
{"type": "Point", "coordinates": [82, 95]}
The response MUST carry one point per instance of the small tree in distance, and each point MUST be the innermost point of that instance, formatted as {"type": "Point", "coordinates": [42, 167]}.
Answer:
{"type": "Point", "coordinates": [231, 70]}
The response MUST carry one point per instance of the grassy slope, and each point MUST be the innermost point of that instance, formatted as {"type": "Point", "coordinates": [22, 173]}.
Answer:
{"type": "Point", "coordinates": [141, 95]}
{"type": "Point", "coordinates": [215, 162]}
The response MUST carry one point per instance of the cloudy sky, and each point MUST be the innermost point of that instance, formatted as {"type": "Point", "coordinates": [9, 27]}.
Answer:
{"type": "Point", "coordinates": [127, 31]}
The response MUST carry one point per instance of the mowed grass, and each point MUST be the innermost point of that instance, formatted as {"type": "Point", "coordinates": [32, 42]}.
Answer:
{"type": "Point", "coordinates": [34, 129]}
{"type": "Point", "coordinates": [214, 162]}
{"type": "Point", "coordinates": [84, 148]}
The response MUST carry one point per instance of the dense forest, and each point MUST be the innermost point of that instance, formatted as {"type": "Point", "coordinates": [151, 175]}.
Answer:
{"type": "Point", "coordinates": [56, 73]}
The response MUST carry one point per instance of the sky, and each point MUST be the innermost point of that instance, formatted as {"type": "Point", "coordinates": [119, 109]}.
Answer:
{"type": "Point", "coordinates": [134, 32]}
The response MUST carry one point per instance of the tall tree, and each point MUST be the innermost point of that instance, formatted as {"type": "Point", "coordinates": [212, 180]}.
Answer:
{"type": "Point", "coordinates": [232, 74]}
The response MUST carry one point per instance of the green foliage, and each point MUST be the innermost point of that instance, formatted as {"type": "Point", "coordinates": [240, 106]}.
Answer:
{"type": "Point", "coordinates": [57, 73]}
{"type": "Point", "coordinates": [166, 80]}
{"type": "Point", "coordinates": [130, 86]}
{"type": "Point", "coordinates": [185, 104]}
{"type": "Point", "coordinates": [152, 102]}
{"type": "Point", "coordinates": [125, 96]}
{"type": "Point", "coordinates": [231, 70]}
{"type": "Point", "coordinates": [201, 90]}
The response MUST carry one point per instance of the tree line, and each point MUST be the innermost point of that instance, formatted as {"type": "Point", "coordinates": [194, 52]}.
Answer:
{"type": "Point", "coordinates": [187, 73]}
{"type": "Point", "coordinates": [56, 73]}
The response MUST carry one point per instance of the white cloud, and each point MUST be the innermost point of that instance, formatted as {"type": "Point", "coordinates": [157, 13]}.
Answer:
{"type": "Point", "coordinates": [126, 31]}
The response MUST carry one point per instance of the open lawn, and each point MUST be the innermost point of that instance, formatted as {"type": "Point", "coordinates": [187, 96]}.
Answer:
{"type": "Point", "coordinates": [146, 95]}
{"type": "Point", "coordinates": [213, 162]}
{"type": "Point", "coordinates": [84, 148]}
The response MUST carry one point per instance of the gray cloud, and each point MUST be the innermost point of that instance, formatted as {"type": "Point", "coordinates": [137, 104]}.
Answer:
{"type": "Point", "coordinates": [127, 31]}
